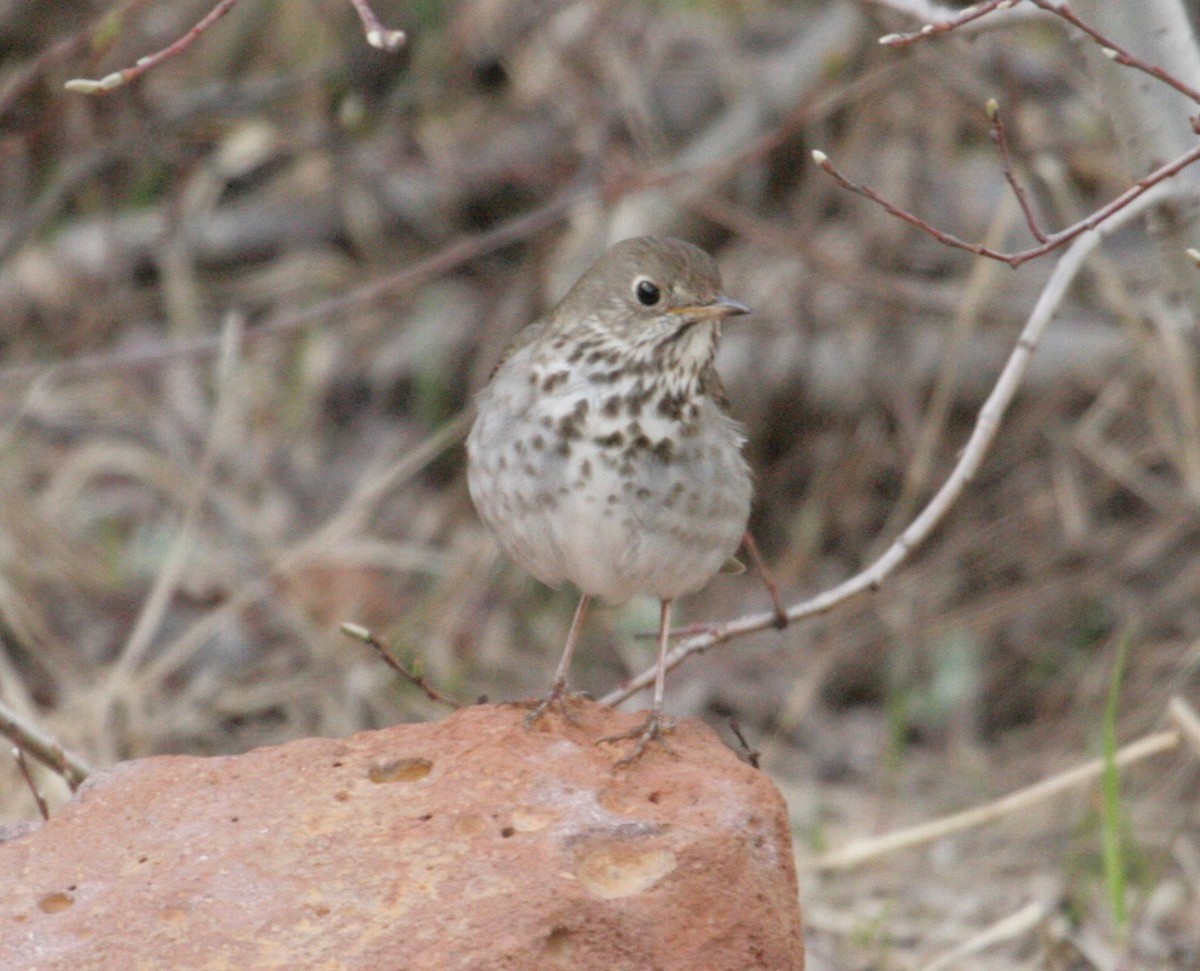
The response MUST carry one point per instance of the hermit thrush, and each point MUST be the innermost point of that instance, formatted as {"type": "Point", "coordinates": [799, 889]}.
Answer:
{"type": "Point", "coordinates": [603, 453]}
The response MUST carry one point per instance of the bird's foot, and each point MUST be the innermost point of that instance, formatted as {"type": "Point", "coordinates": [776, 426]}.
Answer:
{"type": "Point", "coordinates": [651, 730]}
{"type": "Point", "coordinates": [558, 697]}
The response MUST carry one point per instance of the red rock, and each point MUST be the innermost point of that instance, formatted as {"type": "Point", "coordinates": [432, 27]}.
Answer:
{"type": "Point", "coordinates": [472, 843]}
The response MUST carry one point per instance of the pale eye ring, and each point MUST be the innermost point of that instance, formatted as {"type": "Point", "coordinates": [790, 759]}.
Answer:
{"type": "Point", "coordinates": [647, 291]}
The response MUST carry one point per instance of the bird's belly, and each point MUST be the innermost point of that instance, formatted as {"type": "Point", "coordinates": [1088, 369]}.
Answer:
{"type": "Point", "coordinates": [614, 519]}
{"type": "Point", "coordinates": [665, 532]}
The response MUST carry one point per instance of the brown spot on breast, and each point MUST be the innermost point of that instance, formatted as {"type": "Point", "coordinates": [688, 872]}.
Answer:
{"type": "Point", "coordinates": [612, 406]}
{"type": "Point", "coordinates": [555, 380]}
{"type": "Point", "coordinates": [580, 349]}
{"type": "Point", "coordinates": [664, 451]}
{"type": "Point", "coordinates": [636, 398]}
{"type": "Point", "coordinates": [671, 406]}
{"type": "Point", "coordinates": [612, 440]}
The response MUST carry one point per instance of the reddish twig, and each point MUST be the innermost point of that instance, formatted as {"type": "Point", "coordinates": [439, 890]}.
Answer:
{"type": "Point", "coordinates": [1000, 137]}
{"type": "Point", "coordinates": [360, 633]}
{"type": "Point", "coordinates": [23, 765]}
{"type": "Point", "coordinates": [110, 82]}
{"type": "Point", "coordinates": [1111, 48]}
{"type": "Point", "coordinates": [377, 35]}
{"type": "Point", "coordinates": [1052, 242]}
{"type": "Point", "coordinates": [945, 26]}
{"type": "Point", "coordinates": [1115, 52]}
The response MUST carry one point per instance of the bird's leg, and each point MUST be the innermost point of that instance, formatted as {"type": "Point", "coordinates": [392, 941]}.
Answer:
{"type": "Point", "coordinates": [760, 567]}
{"type": "Point", "coordinates": [657, 724]}
{"type": "Point", "coordinates": [781, 617]}
{"type": "Point", "coordinates": [558, 691]}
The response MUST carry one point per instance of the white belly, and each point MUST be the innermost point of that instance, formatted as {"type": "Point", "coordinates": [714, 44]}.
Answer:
{"type": "Point", "coordinates": [612, 521]}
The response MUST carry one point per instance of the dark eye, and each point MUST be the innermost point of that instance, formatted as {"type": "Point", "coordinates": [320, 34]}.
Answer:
{"type": "Point", "coordinates": [647, 292]}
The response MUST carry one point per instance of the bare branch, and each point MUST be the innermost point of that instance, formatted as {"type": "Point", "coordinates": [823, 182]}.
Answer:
{"type": "Point", "coordinates": [1000, 137]}
{"type": "Point", "coordinates": [1052, 242]}
{"type": "Point", "coordinates": [933, 28]}
{"type": "Point", "coordinates": [110, 82]}
{"type": "Point", "coordinates": [1115, 52]}
{"type": "Point", "coordinates": [378, 36]}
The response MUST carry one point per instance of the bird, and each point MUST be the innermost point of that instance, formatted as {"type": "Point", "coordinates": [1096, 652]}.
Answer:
{"type": "Point", "coordinates": [603, 453]}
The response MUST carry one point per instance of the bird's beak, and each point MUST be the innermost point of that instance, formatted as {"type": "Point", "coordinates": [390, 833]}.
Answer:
{"type": "Point", "coordinates": [722, 306]}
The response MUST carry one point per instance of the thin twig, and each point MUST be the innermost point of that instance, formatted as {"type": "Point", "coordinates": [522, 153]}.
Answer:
{"type": "Point", "coordinates": [1053, 241]}
{"type": "Point", "coordinates": [986, 425]}
{"type": "Point", "coordinates": [110, 82]}
{"type": "Point", "coordinates": [1112, 50]}
{"type": "Point", "coordinates": [1115, 52]}
{"type": "Point", "coordinates": [43, 747]}
{"type": "Point", "coordinates": [377, 35]}
{"type": "Point", "coordinates": [360, 633]}
{"type": "Point", "coordinates": [933, 28]}
{"type": "Point", "coordinates": [1000, 137]}
{"type": "Point", "coordinates": [19, 755]}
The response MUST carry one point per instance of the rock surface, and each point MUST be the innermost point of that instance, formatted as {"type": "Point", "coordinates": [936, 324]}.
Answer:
{"type": "Point", "coordinates": [472, 843]}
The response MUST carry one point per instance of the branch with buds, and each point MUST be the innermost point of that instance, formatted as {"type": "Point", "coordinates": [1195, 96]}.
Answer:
{"type": "Point", "coordinates": [1047, 242]}
{"type": "Point", "coordinates": [378, 36]}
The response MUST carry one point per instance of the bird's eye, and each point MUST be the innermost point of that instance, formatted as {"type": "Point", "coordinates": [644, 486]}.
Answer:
{"type": "Point", "coordinates": [647, 292]}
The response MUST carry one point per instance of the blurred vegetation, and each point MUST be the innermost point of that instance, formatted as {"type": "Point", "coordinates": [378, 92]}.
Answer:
{"type": "Point", "coordinates": [241, 299]}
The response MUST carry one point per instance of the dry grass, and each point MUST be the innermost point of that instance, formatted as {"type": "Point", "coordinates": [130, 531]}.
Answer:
{"type": "Point", "coordinates": [181, 533]}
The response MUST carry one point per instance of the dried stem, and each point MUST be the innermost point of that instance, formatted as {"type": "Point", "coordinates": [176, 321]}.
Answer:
{"type": "Point", "coordinates": [861, 851]}
{"type": "Point", "coordinates": [19, 755]}
{"type": "Point", "coordinates": [986, 425]}
{"type": "Point", "coordinates": [45, 748]}
{"type": "Point", "coordinates": [360, 633]}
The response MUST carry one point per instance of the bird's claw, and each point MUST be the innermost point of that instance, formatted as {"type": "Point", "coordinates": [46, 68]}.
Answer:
{"type": "Point", "coordinates": [651, 730]}
{"type": "Point", "coordinates": [560, 696]}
